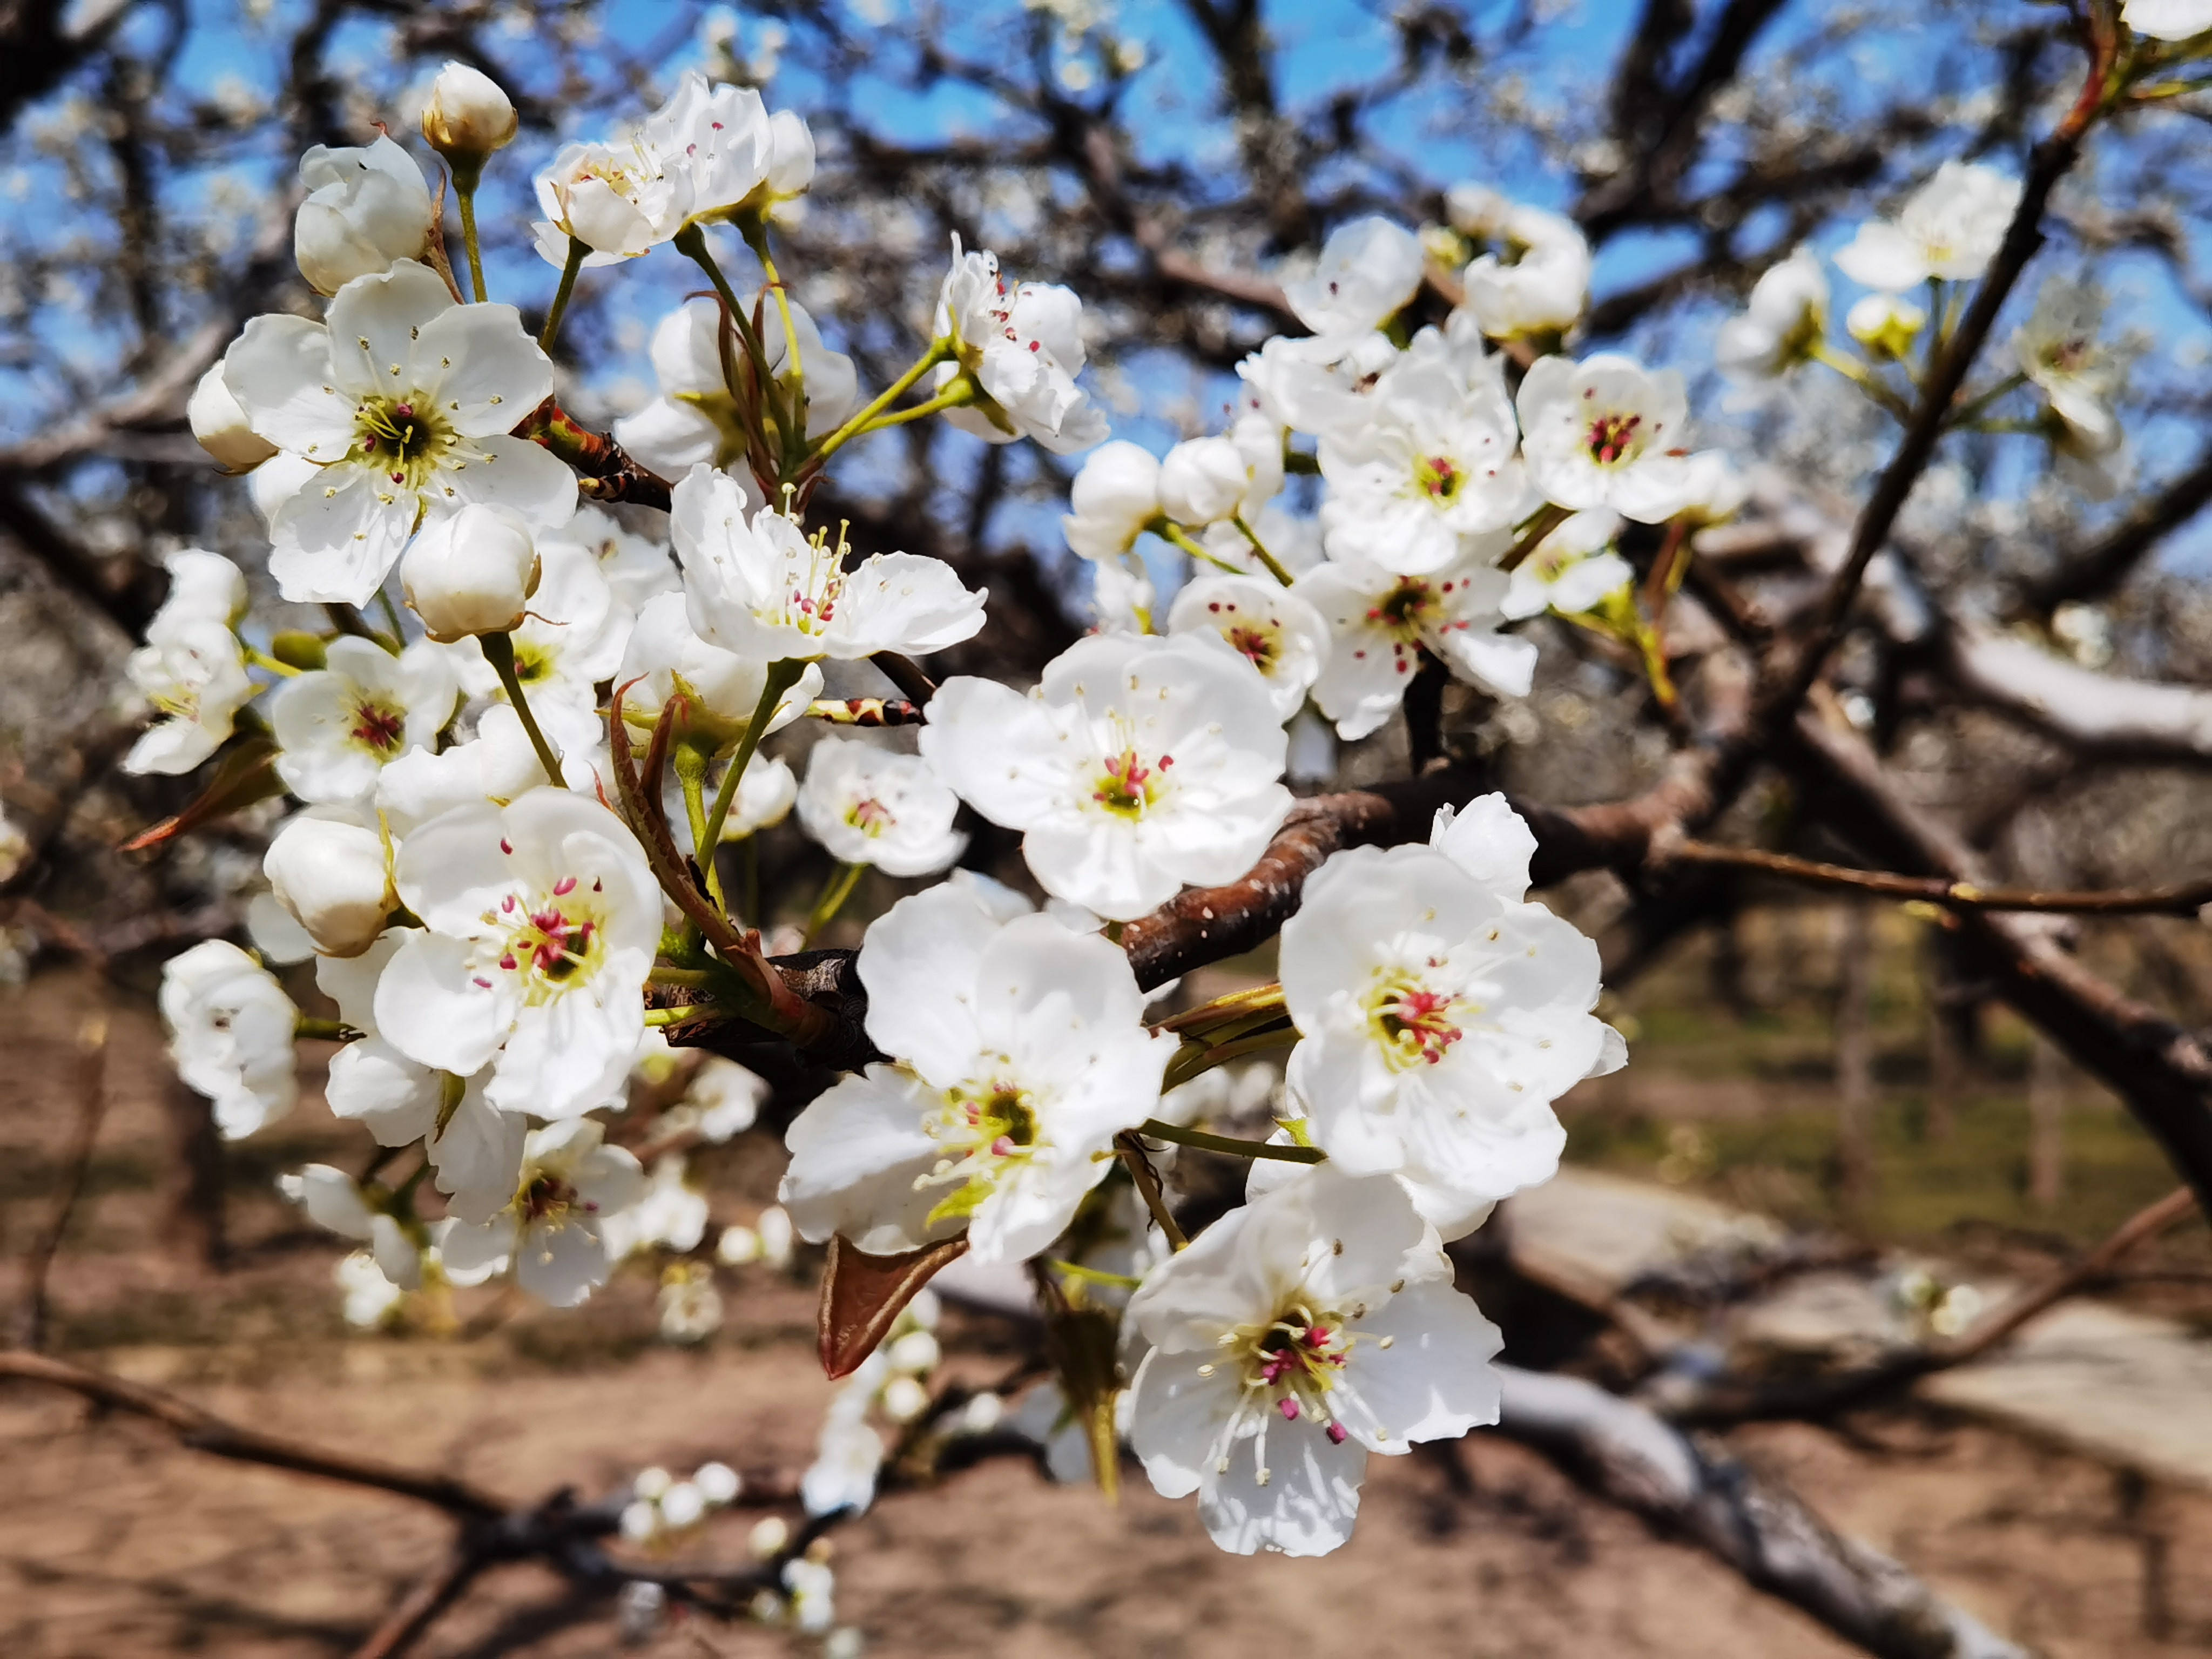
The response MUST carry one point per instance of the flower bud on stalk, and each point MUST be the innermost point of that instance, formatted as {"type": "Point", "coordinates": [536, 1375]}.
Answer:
{"type": "Point", "coordinates": [466, 119]}
{"type": "Point", "coordinates": [220, 425]}
{"type": "Point", "coordinates": [1202, 480]}
{"type": "Point", "coordinates": [332, 875]}
{"type": "Point", "coordinates": [470, 572]}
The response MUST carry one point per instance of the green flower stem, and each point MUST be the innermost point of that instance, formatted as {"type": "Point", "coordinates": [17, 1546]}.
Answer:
{"type": "Point", "coordinates": [696, 979]}
{"type": "Point", "coordinates": [839, 888]}
{"type": "Point", "coordinates": [677, 1016]}
{"type": "Point", "coordinates": [306, 1025]}
{"type": "Point", "coordinates": [938, 351]}
{"type": "Point", "coordinates": [960, 392]}
{"type": "Point", "coordinates": [263, 659]}
{"type": "Point", "coordinates": [468, 198]}
{"type": "Point", "coordinates": [499, 652]}
{"type": "Point", "coordinates": [782, 675]}
{"type": "Point", "coordinates": [577, 249]}
{"type": "Point", "coordinates": [390, 614]}
{"type": "Point", "coordinates": [1974, 405]}
{"type": "Point", "coordinates": [1229, 1144]}
{"type": "Point", "coordinates": [794, 432]}
{"type": "Point", "coordinates": [691, 779]}
{"type": "Point", "coordinates": [1864, 377]}
{"type": "Point", "coordinates": [1268, 560]}
{"type": "Point", "coordinates": [1168, 531]}
{"type": "Point", "coordinates": [1095, 1275]}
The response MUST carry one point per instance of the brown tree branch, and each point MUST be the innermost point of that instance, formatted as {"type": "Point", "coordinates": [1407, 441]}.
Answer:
{"type": "Point", "coordinates": [2182, 901]}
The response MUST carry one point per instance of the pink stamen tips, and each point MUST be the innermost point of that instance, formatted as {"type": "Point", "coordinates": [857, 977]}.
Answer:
{"type": "Point", "coordinates": [1317, 1337]}
{"type": "Point", "coordinates": [1166, 761]}
{"type": "Point", "coordinates": [508, 962]}
{"type": "Point", "coordinates": [563, 887]}
{"type": "Point", "coordinates": [482, 982]}
{"type": "Point", "coordinates": [506, 846]}
{"type": "Point", "coordinates": [399, 477]}
{"type": "Point", "coordinates": [508, 903]}
{"type": "Point", "coordinates": [598, 887]}
{"type": "Point", "coordinates": [1003, 1147]}
{"type": "Point", "coordinates": [1336, 1434]}
{"type": "Point", "coordinates": [404, 412]}
{"type": "Point", "coordinates": [1290, 1408]}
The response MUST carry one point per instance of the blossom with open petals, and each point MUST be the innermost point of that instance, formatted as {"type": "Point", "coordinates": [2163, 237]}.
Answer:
{"type": "Point", "coordinates": [1020, 1051]}
{"type": "Point", "coordinates": [554, 1227]}
{"type": "Point", "coordinates": [1951, 228]}
{"type": "Point", "coordinates": [403, 403]}
{"type": "Point", "coordinates": [1606, 432]}
{"type": "Point", "coordinates": [1024, 345]}
{"type": "Point", "coordinates": [767, 590]}
{"type": "Point", "coordinates": [195, 677]}
{"type": "Point", "coordinates": [1296, 1335]}
{"type": "Point", "coordinates": [871, 806]}
{"type": "Point", "coordinates": [1138, 765]}
{"type": "Point", "coordinates": [1272, 628]}
{"type": "Point", "coordinates": [340, 726]}
{"type": "Point", "coordinates": [540, 920]}
{"type": "Point", "coordinates": [1369, 270]}
{"type": "Point", "coordinates": [230, 1029]}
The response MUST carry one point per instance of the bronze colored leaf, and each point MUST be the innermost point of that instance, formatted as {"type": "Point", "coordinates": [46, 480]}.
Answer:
{"type": "Point", "coordinates": [862, 1294]}
{"type": "Point", "coordinates": [246, 774]}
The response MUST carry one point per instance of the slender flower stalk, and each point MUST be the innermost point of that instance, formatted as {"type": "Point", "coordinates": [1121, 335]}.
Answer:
{"type": "Point", "coordinates": [577, 249]}
{"type": "Point", "coordinates": [864, 420]}
{"type": "Point", "coordinates": [499, 652]}
{"type": "Point", "coordinates": [468, 200]}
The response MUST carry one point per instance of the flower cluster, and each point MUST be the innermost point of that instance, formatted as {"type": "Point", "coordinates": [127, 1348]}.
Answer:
{"type": "Point", "coordinates": [520, 753]}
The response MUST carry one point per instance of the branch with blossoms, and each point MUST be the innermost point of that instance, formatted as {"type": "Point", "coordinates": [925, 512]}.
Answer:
{"type": "Point", "coordinates": [532, 757]}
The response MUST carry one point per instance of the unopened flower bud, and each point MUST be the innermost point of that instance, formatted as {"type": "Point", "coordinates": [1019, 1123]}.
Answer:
{"type": "Point", "coordinates": [1202, 480]}
{"type": "Point", "coordinates": [472, 572]}
{"type": "Point", "coordinates": [220, 424]}
{"type": "Point", "coordinates": [1886, 324]}
{"type": "Point", "coordinates": [467, 118]}
{"type": "Point", "coordinates": [366, 208]}
{"type": "Point", "coordinates": [332, 877]}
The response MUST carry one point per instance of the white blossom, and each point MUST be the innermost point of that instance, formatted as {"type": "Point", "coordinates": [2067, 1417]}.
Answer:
{"type": "Point", "coordinates": [669, 1212]}
{"type": "Point", "coordinates": [871, 806]}
{"type": "Point", "coordinates": [1541, 288]}
{"type": "Point", "coordinates": [1785, 319]}
{"type": "Point", "coordinates": [220, 427]}
{"type": "Point", "coordinates": [332, 871]}
{"type": "Point", "coordinates": [195, 677]}
{"type": "Point", "coordinates": [1274, 629]}
{"type": "Point", "coordinates": [1605, 432]}
{"type": "Point", "coordinates": [1440, 1013]}
{"type": "Point", "coordinates": [203, 587]}
{"type": "Point", "coordinates": [2058, 350]}
{"type": "Point", "coordinates": [366, 209]}
{"type": "Point", "coordinates": [723, 690]}
{"type": "Point", "coordinates": [340, 726]}
{"type": "Point", "coordinates": [1116, 493]}
{"type": "Point", "coordinates": [467, 117]}
{"type": "Point", "coordinates": [767, 590]}
{"type": "Point", "coordinates": [1369, 270]}
{"type": "Point", "coordinates": [553, 1229]}
{"type": "Point", "coordinates": [1886, 323]}
{"type": "Point", "coordinates": [1571, 569]}
{"type": "Point", "coordinates": [1137, 766]}
{"type": "Point", "coordinates": [1021, 1051]}
{"type": "Point", "coordinates": [332, 1200]}
{"type": "Point", "coordinates": [368, 1297]}
{"type": "Point", "coordinates": [1951, 228]}
{"type": "Point", "coordinates": [1380, 620]}
{"type": "Point", "coordinates": [404, 403]}
{"type": "Point", "coordinates": [1295, 1336]}
{"type": "Point", "coordinates": [1430, 467]}
{"type": "Point", "coordinates": [230, 1029]}
{"type": "Point", "coordinates": [1023, 347]}
{"type": "Point", "coordinates": [541, 918]}
{"type": "Point", "coordinates": [1201, 480]}
{"type": "Point", "coordinates": [2167, 20]}
{"type": "Point", "coordinates": [472, 572]}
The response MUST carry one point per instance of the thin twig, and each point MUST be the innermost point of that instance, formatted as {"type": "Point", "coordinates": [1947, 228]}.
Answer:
{"type": "Point", "coordinates": [1148, 1185]}
{"type": "Point", "coordinates": [2185, 900]}
{"type": "Point", "coordinates": [422, 1604]}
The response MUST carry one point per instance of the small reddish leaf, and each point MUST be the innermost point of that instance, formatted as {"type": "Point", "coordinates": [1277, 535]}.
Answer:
{"type": "Point", "coordinates": [246, 774]}
{"type": "Point", "coordinates": [862, 1294]}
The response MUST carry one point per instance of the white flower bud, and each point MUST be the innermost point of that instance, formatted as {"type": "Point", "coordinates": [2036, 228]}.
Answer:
{"type": "Point", "coordinates": [904, 1400]}
{"type": "Point", "coordinates": [775, 1231]}
{"type": "Point", "coordinates": [640, 1521]}
{"type": "Point", "coordinates": [333, 878]}
{"type": "Point", "coordinates": [917, 1350]}
{"type": "Point", "coordinates": [366, 209]}
{"type": "Point", "coordinates": [1114, 496]}
{"type": "Point", "coordinates": [467, 118]}
{"type": "Point", "coordinates": [718, 1483]}
{"type": "Point", "coordinates": [220, 425]}
{"type": "Point", "coordinates": [683, 1505]}
{"type": "Point", "coordinates": [1886, 323]}
{"type": "Point", "coordinates": [652, 1482]}
{"type": "Point", "coordinates": [470, 572]}
{"type": "Point", "coordinates": [1202, 480]}
{"type": "Point", "coordinates": [769, 1537]}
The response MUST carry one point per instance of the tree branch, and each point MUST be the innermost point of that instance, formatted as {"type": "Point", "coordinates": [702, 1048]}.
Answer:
{"type": "Point", "coordinates": [2182, 900]}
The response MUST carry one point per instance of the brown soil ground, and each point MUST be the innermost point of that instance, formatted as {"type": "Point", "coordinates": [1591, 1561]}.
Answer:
{"type": "Point", "coordinates": [115, 1542]}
